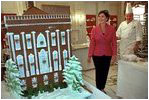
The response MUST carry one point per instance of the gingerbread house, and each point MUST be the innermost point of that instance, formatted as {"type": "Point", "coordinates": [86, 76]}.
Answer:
{"type": "Point", "coordinates": [40, 46]}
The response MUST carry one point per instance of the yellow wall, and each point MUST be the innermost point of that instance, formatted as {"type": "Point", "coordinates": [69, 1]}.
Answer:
{"type": "Point", "coordinates": [16, 7]}
{"type": "Point", "coordinates": [9, 7]}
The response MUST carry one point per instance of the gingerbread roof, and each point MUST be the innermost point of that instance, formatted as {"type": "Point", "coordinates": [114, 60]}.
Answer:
{"type": "Point", "coordinates": [33, 10]}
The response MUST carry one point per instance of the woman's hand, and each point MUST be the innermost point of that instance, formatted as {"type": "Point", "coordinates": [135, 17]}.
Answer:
{"type": "Point", "coordinates": [89, 59]}
{"type": "Point", "coordinates": [113, 59]}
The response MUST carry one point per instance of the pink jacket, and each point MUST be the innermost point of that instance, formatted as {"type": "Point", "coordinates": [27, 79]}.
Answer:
{"type": "Point", "coordinates": [103, 44]}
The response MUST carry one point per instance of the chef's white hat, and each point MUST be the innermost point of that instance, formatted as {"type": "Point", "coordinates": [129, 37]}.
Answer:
{"type": "Point", "coordinates": [128, 8]}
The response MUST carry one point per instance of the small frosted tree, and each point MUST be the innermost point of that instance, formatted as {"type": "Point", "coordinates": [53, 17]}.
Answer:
{"type": "Point", "coordinates": [73, 74]}
{"type": "Point", "coordinates": [12, 78]}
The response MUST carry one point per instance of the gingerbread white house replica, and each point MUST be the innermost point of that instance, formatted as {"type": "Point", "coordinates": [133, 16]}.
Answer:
{"type": "Point", "coordinates": [40, 46]}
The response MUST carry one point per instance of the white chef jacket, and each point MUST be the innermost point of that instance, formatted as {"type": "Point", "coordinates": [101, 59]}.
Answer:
{"type": "Point", "coordinates": [129, 34]}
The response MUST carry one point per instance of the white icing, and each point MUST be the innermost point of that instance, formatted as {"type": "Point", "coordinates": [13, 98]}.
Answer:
{"type": "Point", "coordinates": [28, 40]}
{"type": "Point", "coordinates": [12, 45]}
{"type": "Point", "coordinates": [34, 82]}
{"type": "Point", "coordinates": [58, 41]}
{"type": "Point", "coordinates": [9, 43]}
{"type": "Point", "coordinates": [41, 41]}
{"type": "Point", "coordinates": [45, 79]}
{"type": "Point", "coordinates": [43, 61]}
{"type": "Point", "coordinates": [55, 60]}
{"type": "Point", "coordinates": [63, 38]}
{"type": "Point", "coordinates": [55, 77]}
{"type": "Point", "coordinates": [31, 64]}
{"type": "Point", "coordinates": [25, 55]}
{"type": "Point", "coordinates": [53, 38]}
{"type": "Point", "coordinates": [68, 41]}
{"type": "Point", "coordinates": [38, 24]}
{"type": "Point", "coordinates": [73, 74]}
{"type": "Point", "coordinates": [20, 65]}
{"type": "Point", "coordinates": [65, 57]}
{"type": "Point", "coordinates": [65, 93]}
{"type": "Point", "coordinates": [23, 84]}
{"type": "Point", "coordinates": [17, 42]}
{"type": "Point", "coordinates": [35, 52]}
{"type": "Point", "coordinates": [49, 51]}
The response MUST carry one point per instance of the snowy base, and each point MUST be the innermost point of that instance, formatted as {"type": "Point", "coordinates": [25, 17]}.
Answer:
{"type": "Point", "coordinates": [65, 93]}
{"type": "Point", "coordinates": [97, 94]}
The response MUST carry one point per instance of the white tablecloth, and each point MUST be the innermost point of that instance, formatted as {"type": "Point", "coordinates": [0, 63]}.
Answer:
{"type": "Point", "coordinates": [132, 80]}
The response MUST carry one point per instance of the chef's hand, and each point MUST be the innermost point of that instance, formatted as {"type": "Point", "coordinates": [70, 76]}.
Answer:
{"type": "Point", "coordinates": [136, 47]}
{"type": "Point", "coordinates": [89, 59]}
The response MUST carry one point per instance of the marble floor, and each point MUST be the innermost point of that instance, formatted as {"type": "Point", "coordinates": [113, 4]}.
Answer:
{"type": "Point", "coordinates": [111, 85]}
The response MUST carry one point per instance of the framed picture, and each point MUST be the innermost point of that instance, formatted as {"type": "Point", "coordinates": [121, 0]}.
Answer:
{"type": "Point", "coordinates": [90, 23]}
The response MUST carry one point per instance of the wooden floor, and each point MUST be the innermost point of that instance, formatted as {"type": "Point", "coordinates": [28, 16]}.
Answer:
{"type": "Point", "coordinates": [111, 85]}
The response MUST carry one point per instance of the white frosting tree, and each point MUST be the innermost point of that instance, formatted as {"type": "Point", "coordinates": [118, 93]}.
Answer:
{"type": "Point", "coordinates": [12, 79]}
{"type": "Point", "coordinates": [73, 74]}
